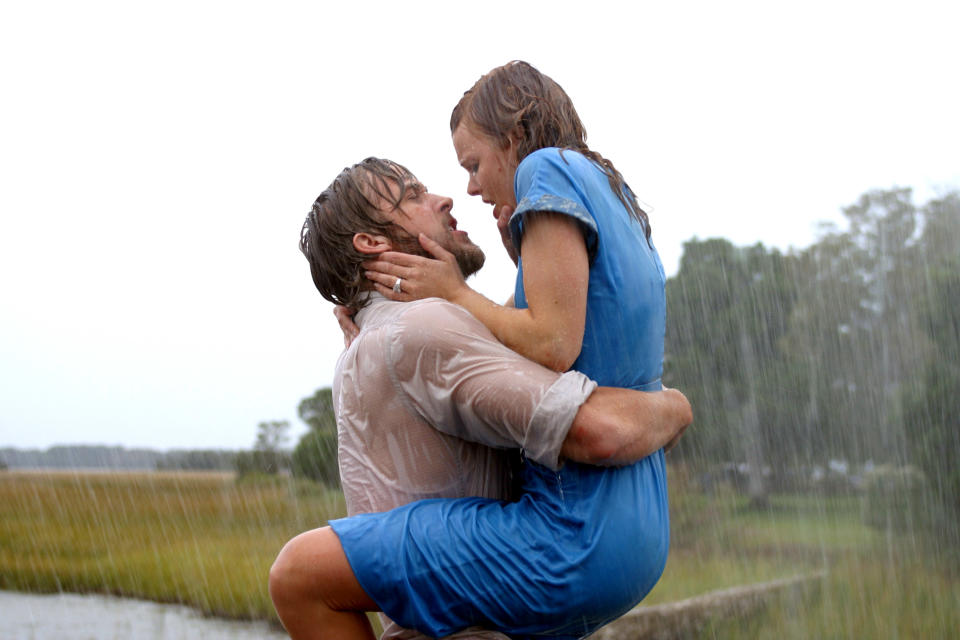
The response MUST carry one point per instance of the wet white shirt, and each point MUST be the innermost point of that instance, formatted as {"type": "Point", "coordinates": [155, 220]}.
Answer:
{"type": "Point", "coordinates": [430, 405]}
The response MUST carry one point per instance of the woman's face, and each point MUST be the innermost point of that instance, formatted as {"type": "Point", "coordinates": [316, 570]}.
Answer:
{"type": "Point", "coordinates": [490, 166]}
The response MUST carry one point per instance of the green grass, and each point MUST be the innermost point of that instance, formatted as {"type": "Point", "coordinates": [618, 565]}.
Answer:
{"type": "Point", "coordinates": [878, 584]}
{"type": "Point", "coordinates": [191, 538]}
{"type": "Point", "coordinates": [861, 597]}
{"type": "Point", "coordinates": [208, 541]}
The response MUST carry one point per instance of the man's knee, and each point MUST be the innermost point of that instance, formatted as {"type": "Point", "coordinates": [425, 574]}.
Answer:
{"type": "Point", "coordinates": [283, 575]}
{"type": "Point", "coordinates": [312, 566]}
{"type": "Point", "coordinates": [296, 567]}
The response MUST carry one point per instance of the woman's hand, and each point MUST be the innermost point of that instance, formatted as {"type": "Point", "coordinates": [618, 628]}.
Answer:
{"type": "Point", "coordinates": [420, 277]}
{"type": "Point", "coordinates": [502, 215]}
{"type": "Point", "coordinates": [350, 329]}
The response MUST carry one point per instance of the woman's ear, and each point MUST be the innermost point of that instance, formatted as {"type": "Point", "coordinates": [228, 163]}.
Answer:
{"type": "Point", "coordinates": [371, 243]}
{"type": "Point", "coordinates": [515, 136]}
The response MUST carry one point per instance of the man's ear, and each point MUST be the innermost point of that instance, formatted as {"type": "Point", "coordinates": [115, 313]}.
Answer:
{"type": "Point", "coordinates": [371, 243]}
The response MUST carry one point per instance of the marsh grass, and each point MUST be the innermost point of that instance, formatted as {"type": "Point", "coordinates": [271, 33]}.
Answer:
{"type": "Point", "coordinates": [208, 541]}
{"type": "Point", "coordinates": [200, 539]}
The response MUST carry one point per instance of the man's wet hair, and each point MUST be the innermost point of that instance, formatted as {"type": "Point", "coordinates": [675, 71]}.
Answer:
{"type": "Point", "coordinates": [353, 203]}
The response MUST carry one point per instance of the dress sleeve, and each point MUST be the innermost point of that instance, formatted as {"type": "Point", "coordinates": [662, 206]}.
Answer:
{"type": "Point", "coordinates": [451, 372]}
{"type": "Point", "coordinates": [547, 180]}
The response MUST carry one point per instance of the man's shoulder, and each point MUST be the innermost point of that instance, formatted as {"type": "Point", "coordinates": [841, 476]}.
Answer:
{"type": "Point", "coordinates": [433, 319]}
{"type": "Point", "coordinates": [424, 339]}
{"type": "Point", "coordinates": [421, 324]}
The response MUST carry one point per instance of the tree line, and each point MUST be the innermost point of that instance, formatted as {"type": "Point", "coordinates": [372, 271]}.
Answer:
{"type": "Point", "coordinates": [846, 350]}
{"type": "Point", "coordinates": [315, 455]}
{"type": "Point", "coordinates": [115, 458]}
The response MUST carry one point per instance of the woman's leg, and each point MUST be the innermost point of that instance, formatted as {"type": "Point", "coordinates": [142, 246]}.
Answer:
{"type": "Point", "coordinates": [315, 592]}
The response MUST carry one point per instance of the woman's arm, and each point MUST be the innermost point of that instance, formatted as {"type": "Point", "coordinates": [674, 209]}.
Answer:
{"type": "Point", "coordinates": [556, 271]}
{"type": "Point", "coordinates": [555, 275]}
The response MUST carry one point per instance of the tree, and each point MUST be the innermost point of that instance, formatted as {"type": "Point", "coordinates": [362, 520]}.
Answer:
{"type": "Point", "coordinates": [847, 350]}
{"type": "Point", "coordinates": [883, 225]}
{"type": "Point", "coordinates": [271, 436]}
{"type": "Point", "coordinates": [932, 407]}
{"type": "Point", "coordinates": [315, 456]}
{"type": "Point", "coordinates": [728, 309]}
{"type": "Point", "coordinates": [268, 456]}
{"type": "Point", "coordinates": [828, 337]}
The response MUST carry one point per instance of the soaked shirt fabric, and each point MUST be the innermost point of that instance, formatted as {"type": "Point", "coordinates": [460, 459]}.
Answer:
{"type": "Point", "coordinates": [620, 515]}
{"type": "Point", "coordinates": [430, 405]}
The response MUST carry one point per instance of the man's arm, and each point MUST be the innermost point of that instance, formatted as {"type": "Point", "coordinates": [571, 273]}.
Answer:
{"type": "Point", "coordinates": [457, 377]}
{"type": "Point", "coordinates": [620, 426]}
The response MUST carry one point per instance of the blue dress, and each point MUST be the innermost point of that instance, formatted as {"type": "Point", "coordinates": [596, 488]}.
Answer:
{"type": "Point", "coordinates": [582, 545]}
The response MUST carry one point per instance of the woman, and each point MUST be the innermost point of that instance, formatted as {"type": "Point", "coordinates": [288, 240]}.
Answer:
{"type": "Point", "coordinates": [586, 543]}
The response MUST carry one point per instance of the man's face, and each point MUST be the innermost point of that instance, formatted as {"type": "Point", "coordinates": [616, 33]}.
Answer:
{"type": "Point", "coordinates": [423, 212]}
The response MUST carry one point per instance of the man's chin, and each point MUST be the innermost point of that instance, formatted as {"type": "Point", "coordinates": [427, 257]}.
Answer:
{"type": "Point", "coordinates": [470, 261]}
{"type": "Point", "coordinates": [470, 257]}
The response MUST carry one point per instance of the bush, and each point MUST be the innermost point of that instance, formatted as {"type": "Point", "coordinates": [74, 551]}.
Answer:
{"type": "Point", "coordinates": [315, 457]}
{"type": "Point", "coordinates": [258, 461]}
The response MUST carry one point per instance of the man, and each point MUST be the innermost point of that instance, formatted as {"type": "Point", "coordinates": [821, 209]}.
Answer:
{"type": "Point", "coordinates": [428, 403]}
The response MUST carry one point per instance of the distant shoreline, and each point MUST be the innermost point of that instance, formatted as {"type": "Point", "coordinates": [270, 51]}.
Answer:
{"type": "Point", "coordinates": [95, 471]}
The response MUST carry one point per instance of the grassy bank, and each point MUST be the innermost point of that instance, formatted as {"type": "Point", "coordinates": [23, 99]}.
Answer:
{"type": "Point", "coordinates": [879, 584]}
{"type": "Point", "coordinates": [200, 539]}
{"type": "Point", "coordinates": [208, 541]}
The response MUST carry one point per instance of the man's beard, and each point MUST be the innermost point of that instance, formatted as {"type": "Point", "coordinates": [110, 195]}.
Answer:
{"type": "Point", "coordinates": [470, 257]}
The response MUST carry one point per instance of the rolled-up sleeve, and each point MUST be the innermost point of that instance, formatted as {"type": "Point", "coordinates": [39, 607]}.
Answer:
{"type": "Point", "coordinates": [451, 371]}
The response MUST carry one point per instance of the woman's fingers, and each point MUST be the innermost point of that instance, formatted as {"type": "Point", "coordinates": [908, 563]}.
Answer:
{"type": "Point", "coordinates": [503, 215]}
{"type": "Point", "coordinates": [393, 259]}
{"type": "Point", "coordinates": [344, 316]}
{"type": "Point", "coordinates": [435, 249]}
{"type": "Point", "coordinates": [386, 284]}
{"type": "Point", "coordinates": [420, 277]}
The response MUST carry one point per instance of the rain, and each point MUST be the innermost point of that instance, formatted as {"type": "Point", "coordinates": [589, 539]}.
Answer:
{"type": "Point", "coordinates": [817, 493]}
{"type": "Point", "coordinates": [165, 413]}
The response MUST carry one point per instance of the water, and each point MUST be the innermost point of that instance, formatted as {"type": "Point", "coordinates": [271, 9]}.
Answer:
{"type": "Point", "coordinates": [91, 617]}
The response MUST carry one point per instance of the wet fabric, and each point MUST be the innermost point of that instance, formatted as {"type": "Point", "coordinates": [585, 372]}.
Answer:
{"type": "Point", "coordinates": [418, 396]}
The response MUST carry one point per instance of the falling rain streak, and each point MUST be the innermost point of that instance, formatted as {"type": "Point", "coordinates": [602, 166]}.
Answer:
{"type": "Point", "coordinates": [826, 391]}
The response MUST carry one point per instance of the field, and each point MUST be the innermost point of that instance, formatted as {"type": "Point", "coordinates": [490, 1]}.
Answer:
{"type": "Point", "coordinates": [207, 541]}
{"type": "Point", "coordinates": [199, 539]}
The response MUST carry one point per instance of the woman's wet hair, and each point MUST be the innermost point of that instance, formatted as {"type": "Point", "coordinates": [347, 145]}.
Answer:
{"type": "Point", "coordinates": [353, 203]}
{"type": "Point", "coordinates": [517, 99]}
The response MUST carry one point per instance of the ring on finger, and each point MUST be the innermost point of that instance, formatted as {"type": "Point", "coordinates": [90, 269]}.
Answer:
{"type": "Point", "coordinates": [396, 286]}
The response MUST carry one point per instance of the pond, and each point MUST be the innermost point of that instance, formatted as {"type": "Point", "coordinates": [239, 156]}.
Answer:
{"type": "Point", "coordinates": [25, 616]}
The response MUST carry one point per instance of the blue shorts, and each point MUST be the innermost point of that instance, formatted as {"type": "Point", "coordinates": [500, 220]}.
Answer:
{"type": "Point", "coordinates": [580, 548]}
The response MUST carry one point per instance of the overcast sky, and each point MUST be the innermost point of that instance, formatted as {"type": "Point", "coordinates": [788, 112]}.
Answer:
{"type": "Point", "coordinates": [157, 161]}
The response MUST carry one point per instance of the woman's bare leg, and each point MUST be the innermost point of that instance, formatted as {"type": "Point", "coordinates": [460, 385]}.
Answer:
{"type": "Point", "coordinates": [315, 592]}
